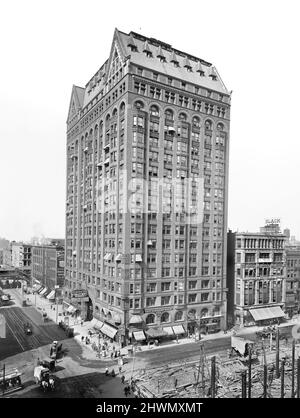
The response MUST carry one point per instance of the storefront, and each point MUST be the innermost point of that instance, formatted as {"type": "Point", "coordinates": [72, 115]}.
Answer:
{"type": "Point", "coordinates": [267, 316]}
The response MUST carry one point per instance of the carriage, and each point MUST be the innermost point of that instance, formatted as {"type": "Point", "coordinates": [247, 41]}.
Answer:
{"type": "Point", "coordinates": [44, 378]}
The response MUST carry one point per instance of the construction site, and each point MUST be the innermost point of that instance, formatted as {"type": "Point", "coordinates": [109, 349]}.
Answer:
{"type": "Point", "coordinates": [265, 369]}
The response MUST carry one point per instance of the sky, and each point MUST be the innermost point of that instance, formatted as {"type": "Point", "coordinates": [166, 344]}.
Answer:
{"type": "Point", "coordinates": [47, 46]}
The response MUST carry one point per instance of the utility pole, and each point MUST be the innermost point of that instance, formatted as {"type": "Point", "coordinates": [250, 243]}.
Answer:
{"type": "Point", "coordinates": [282, 379]}
{"type": "Point", "coordinates": [298, 377]}
{"type": "Point", "coordinates": [213, 377]}
{"type": "Point", "coordinates": [250, 372]}
{"type": "Point", "coordinates": [265, 380]}
{"type": "Point", "coordinates": [244, 384]}
{"type": "Point", "coordinates": [293, 369]}
{"type": "Point", "coordinates": [3, 379]}
{"type": "Point", "coordinates": [277, 354]}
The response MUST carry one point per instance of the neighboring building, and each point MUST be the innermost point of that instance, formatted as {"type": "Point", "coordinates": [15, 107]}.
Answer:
{"type": "Point", "coordinates": [7, 260]}
{"type": "Point", "coordinates": [256, 276]}
{"type": "Point", "coordinates": [293, 278]}
{"type": "Point", "coordinates": [48, 265]}
{"type": "Point", "coordinates": [149, 113]}
{"type": "Point", "coordinates": [21, 256]}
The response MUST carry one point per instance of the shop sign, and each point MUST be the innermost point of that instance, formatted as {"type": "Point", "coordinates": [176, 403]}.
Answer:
{"type": "Point", "coordinates": [80, 293]}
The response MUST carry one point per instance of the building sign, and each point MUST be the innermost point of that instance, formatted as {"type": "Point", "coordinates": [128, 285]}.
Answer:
{"type": "Point", "coordinates": [272, 221]}
{"type": "Point", "coordinates": [80, 293]}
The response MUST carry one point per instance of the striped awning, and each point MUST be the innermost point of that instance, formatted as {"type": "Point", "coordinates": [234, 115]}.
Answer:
{"type": "Point", "coordinates": [139, 335]}
{"type": "Point", "coordinates": [108, 330]}
{"type": "Point", "coordinates": [262, 314]}
{"type": "Point", "coordinates": [51, 295]}
{"type": "Point", "coordinates": [178, 329]}
{"type": "Point", "coordinates": [43, 291]}
{"type": "Point", "coordinates": [169, 330]}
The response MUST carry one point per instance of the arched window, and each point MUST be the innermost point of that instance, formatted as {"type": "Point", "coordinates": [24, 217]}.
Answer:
{"type": "Point", "coordinates": [169, 114]}
{"type": "Point", "coordinates": [208, 124]}
{"type": "Point", "coordinates": [204, 313]}
{"type": "Point", "coordinates": [122, 107]}
{"type": "Point", "coordinates": [109, 315]}
{"type": "Point", "coordinates": [150, 319]}
{"type": "Point", "coordinates": [138, 105]}
{"type": "Point", "coordinates": [154, 111]}
{"type": "Point", "coordinates": [196, 122]}
{"type": "Point", "coordinates": [179, 316]}
{"type": "Point", "coordinates": [182, 116]}
{"type": "Point", "coordinates": [97, 309]}
{"type": "Point", "coordinates": [192, 314]}
{"type": "Point", "coordinates": [165, 317]}
{"type": "Point", "coordinates": [220, 127]}
{"type": "Point", "coordinates": [115, 113]}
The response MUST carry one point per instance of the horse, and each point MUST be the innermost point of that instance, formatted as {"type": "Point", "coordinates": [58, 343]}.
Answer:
{"type": "Point", "coordinates": [45, 385]}
{"type": "Point", "coordinates": [51, 383]}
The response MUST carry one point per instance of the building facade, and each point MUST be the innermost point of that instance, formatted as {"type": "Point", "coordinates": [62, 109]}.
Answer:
{"type": "Point", "coordinates": [48, 265]}
{"type": "Point", "coordinates": [292, 278]}
{"type": "Point", "coordinates": [147, 154]}
{"type": "Point", "coordinates": [256, 276]}
{"type": "Point", "coordinates": [21, 256]}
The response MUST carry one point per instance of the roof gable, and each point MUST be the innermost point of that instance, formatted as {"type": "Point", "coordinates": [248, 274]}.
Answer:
{"type": "Point", "coordinates": [76, 102]}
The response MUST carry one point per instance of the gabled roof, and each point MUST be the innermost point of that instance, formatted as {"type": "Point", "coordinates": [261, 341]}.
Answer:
{"type": "Point", "coordinates": [167, 67]}
{"type": "Point", "coordinates": [76, 101]}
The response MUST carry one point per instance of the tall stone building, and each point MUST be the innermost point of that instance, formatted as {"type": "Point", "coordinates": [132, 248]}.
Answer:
{"type": "Point", "coordinates": [147, 186]}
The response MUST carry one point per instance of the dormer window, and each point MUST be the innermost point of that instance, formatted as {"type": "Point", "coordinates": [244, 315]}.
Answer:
{"type": "Point", "coordinates": [212, 73]}
{"type": "Point", "coordinates": [132, 44]}
{"type": "Point", "coordinates": [199, 69]}
{"type": "Point", "coordinates": [147, 50]}
{"type": "Point", "coordinates": [174, 60]}
{"type": "Point", "coordinates": [160, 54]}
{"type": "Point", "coordinates": [187, 64]}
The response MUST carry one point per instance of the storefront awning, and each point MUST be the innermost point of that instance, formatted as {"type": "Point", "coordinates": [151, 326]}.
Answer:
{"type": "Point", "coordinates": [51, 295]}
{"type": "Point", "coordinates": [168, 330]}
{"type": "Point", "coordinates": [96, 324]}
{"type": "Point", "coordinates": [178, 329]}
{"type": "Point", "coordinates": [108, 330]}
{"type": "Point", "coordinates": [262, 314]}
{"type": "Point", "coordinates": [139, 335]}
{"type": "Point", "coordinates": [43, 291]}
{"type": "Point", "coordinates": [156, 332]}
{"type": "Point", "coordinates": [37, 287]}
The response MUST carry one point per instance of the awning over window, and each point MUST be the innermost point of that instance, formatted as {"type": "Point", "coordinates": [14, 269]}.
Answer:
{"type": "Point", "coordinates": [168, 330]}
{"type": "Point", "coordinates": [51, 295]}
{"type": "Point", "coordinates": [156, 332]}
{"type": "Point", "coordinates": [96, 324]}
{"type": "Point", "coordinates": [267, 313]}
{"type": "Point", "coordinates": [107, 257]}
{"type": "Point", "coordinates": [37, 287]}
{"type": "Point", "coordinates": [108, 330]}
{"type": "Point", "coordinates": [43, 291]}
{"type": "Point", "coordinates": [135, 319]}
{"type": "Point", "coordinates": [119, 257]}
{"type": "Point", "coordinates": [178, 329]}
{"type": "Point", "coordinates": [139, 335]}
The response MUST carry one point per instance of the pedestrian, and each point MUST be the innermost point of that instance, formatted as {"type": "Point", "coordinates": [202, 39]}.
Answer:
{"type": "Point", "coordinates": [82, 323]}
{"type": "Point", "coordinates": [106, 371]}
{"type": "Point", "coordinates": [123, 379]}
{"type": "Point", "coordinates": [82, 338]}
{"type": "Point", "coordinates": [112, 355]}
{"type": "Point", "coordinates": [113, 374]}
{"type": "Point", "coordinates": [120, 369]}
{"type": "Point", "coordinates": [126, 391]}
